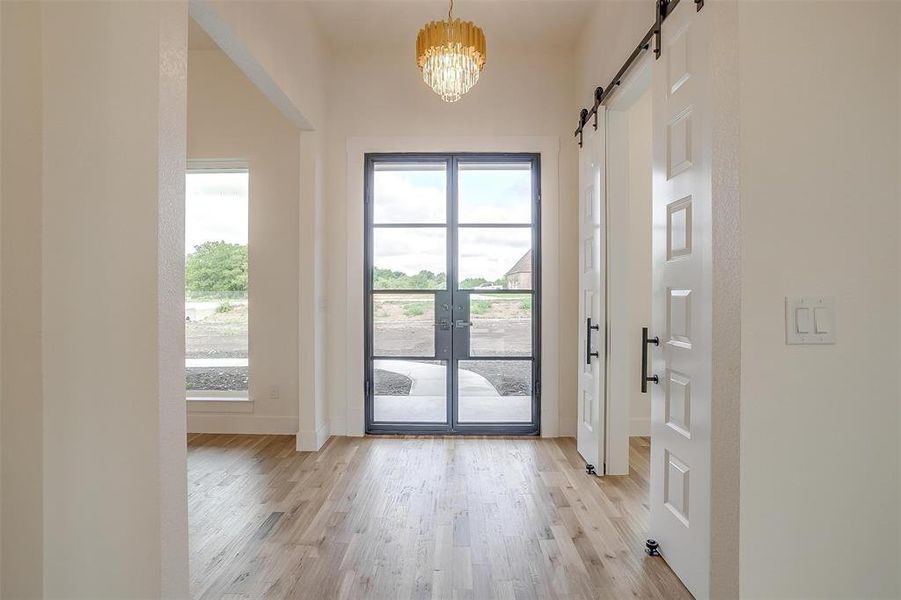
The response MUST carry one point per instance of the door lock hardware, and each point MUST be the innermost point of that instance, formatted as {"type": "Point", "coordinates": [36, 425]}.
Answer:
{"type": "Point", "coordinates": [461, 324]}
{"type": "Point", "coordinates": [444, 324]}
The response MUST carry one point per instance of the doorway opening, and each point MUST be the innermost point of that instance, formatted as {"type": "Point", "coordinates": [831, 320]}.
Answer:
{"type": "Point", "coordinates": [629, 268]}
{"type": "Point", "coordinates": [615, 276]}
{"type": "Point", "coordinates": [452, 284]}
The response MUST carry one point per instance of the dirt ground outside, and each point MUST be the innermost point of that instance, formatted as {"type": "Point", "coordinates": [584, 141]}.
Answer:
{"type": "Point", "coordinates": [218, 333]}
{"type": "Point", "coordinates": [404, 325]}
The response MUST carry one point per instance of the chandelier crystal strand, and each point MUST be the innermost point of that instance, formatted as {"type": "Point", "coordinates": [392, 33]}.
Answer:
{"type": "Point", "coordinates": [451, 55]}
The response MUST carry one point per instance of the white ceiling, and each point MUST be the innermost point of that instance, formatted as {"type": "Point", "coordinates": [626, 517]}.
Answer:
{"type": "Point", "coordinates": [379, 23]}
{"type": "Point", "coordinates": [387, 23]}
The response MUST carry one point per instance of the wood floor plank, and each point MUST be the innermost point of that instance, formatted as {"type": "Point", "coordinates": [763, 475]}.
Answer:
{"type": "Point", "coordinates": [417, 517]}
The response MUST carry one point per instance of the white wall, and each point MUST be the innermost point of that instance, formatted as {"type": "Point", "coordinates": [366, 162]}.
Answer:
{"type": "Point", "coordinates": [228, 117]}
{"type": "Point", "coordinates": [506, 103]}
{"type": "Point", "coordinates": [21, 444]}
{"type": "Point", "coordinates": [279, 47]}
{"type": "Point", "coordinates": [113, 161]}
{"type": "Point", "coordinates": [820, 208]}
{"type": "Point", "coordinates": [606, 40]}
{"type": "Point", "coordinates": [92, 368]}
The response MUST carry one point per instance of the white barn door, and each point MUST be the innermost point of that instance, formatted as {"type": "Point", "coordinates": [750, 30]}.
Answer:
{"type": "Point", "coordinates": [682, 307]}
{"type": "Point", "coordinates": [590, 438]}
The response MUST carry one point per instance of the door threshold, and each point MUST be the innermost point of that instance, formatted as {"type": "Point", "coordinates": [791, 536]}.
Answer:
{"type": "Point", "coordinates": [433, 433]}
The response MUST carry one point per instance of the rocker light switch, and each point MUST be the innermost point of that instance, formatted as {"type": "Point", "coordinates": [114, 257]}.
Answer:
{"type": "Point", "coordinates": [809, 320]}
{"type": "Point", "coordinates": [822, 319]}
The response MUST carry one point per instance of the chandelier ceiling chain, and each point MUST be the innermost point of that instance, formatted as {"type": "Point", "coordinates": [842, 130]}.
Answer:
{"type": "Point", "coordinates": [451, 55]}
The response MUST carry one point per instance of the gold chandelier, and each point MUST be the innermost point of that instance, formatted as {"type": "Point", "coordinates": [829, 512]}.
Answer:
{"type": "Point", "coordinates": [450, 55]}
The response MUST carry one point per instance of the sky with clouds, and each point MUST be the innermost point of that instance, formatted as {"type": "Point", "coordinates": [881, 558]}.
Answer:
{"type": "Point", "coordinates": [215, 208]}
{"type": "Point", "coordinates": [487, 196]}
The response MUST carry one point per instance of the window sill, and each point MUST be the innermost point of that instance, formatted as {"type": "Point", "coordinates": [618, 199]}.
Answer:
{"type": "Point", "coordinates": [213, 403]}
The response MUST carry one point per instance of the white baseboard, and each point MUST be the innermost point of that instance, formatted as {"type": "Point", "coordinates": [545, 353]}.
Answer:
{"type": "Point", "coordinates": [639, 427]}
{"type": "Point", "coordinates": [312, 441]}
{"type": "Point", "coordinates": [241, 423]}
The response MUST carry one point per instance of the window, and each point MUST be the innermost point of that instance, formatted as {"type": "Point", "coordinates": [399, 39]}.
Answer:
{"type": "Point", "coordinates": [216, 270]}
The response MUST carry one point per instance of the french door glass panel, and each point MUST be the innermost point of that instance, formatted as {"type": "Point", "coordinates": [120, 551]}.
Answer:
{"type": "Point", "coordinates": [501, 325]}
{"type": "Point", "coordinates": [409, 193]}
{"type": "Point", "coordinates": [410, 391]}
{"type": "Point", "coordinates": [495, 193]}
{"type": "Point", "coordinates": [495, 391]}
{"type": "Point", "coordinates": [403, 324]}
{"type": "Point", "coordinates": [451, 285]}
{"type": "Point", "coordinates": [409, 258]}
{"type": "Point", "coordinates": [495, 257]}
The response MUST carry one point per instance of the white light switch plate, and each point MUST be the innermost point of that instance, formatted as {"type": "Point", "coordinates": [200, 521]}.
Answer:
{"type": "Point", "coordinates": [809, 320]}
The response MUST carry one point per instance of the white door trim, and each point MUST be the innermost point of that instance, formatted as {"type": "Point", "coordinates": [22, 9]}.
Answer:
{"type": "Point", "coordinates": [349, 418]}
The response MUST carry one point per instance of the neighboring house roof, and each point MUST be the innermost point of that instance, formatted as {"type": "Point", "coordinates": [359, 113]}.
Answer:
{"type": "Point", "coordinates": [523, 265]}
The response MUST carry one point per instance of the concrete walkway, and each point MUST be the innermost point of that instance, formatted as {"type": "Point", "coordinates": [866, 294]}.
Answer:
{"type": "Point", "coordinates": [479, 401]}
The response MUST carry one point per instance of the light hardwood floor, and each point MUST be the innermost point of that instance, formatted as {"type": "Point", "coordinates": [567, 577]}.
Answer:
{"type": "Point", "coordinates": [417, 517]}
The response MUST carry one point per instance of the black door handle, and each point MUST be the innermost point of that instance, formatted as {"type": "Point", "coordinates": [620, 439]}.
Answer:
{"type": "Point", "coordinates": [645, 378]}
{"type": "Point", "coordinates": [588, 352]}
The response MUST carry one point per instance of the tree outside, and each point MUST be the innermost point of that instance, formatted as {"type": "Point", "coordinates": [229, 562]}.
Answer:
{"type": "Point", "coordinates": [386, 279]}
{"type": "Point", "coordinates": [216, 267]}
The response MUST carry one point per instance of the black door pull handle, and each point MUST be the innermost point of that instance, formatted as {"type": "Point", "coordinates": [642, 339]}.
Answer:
{"type": "Point", "coordinates": [645, 341]}
{"type": "Point", "coordinates": [588, 352]}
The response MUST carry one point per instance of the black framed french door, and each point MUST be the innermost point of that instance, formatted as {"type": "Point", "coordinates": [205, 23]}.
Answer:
{"type": "Point", "coordinates": [452, 290]}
